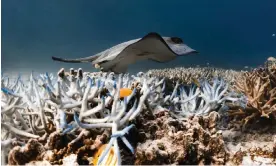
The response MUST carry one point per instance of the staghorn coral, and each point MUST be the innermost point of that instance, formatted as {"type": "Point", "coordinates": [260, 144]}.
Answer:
{"type": "Point", "coordinates": [207, 98]}
{"type": "Point", "coordinates": [187, 75]}
{"type": "Point", "coordinates": [49, 103]}
{"type": "Point", "coordinates": [260, 89]}
{"type": "Point", "coordinates": [187, 100]}
{"type": "Point", "coordinates": [78, 112]}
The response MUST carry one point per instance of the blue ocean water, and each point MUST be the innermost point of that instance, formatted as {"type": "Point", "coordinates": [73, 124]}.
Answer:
{"type": "Point", "coordinates": [228, 34]}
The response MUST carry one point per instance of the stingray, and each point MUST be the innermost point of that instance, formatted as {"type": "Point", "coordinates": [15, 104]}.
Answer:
{"type": "Point", "coordinates": [151, 47]}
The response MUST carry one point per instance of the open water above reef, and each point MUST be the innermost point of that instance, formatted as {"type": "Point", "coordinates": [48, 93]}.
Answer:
{"type": "Point", "coordinates": [228, 34]}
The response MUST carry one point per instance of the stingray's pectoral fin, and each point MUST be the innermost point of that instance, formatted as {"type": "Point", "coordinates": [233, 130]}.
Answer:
{"type": "Point", "coordinates": [164, 55]}
{"type": "Point", "coordinates": [155, 48]}
{"type": "Point", "coordinates": [161, 58]}
{"type": "Point", "coordinates": [114, 67]}
{"type": "Point", "coordinates": [119, 68]}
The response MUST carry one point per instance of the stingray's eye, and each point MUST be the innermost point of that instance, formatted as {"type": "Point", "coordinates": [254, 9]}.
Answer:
{"type": "Point", "coordinates": [176, 40]}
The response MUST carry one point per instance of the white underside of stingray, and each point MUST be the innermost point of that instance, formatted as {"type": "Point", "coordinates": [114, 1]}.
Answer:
{"type": "Point", "coordinates": [150, 47]}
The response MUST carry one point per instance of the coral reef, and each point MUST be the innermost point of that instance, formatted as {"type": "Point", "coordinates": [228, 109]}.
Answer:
{"type": "Point", "coordinates": [69, 107]}
{"type": "Point", "coordinates": [259, 86]}
{"type": "Point", "coordinates": [101, 118]}
{"type": "Point", "coordinates": [187, 75]}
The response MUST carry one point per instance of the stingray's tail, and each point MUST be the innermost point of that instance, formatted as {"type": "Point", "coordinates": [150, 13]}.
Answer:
{"type": "Point", "coordinates": [66, 60]}
{"type": "Point", "coordinates": [80, 60]}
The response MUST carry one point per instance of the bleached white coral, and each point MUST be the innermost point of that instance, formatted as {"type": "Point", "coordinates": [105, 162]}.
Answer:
{"type": "Point", "coordinates": [29, 108]}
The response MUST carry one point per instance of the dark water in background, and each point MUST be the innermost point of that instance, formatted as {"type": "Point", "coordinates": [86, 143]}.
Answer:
{"type": "Point", "coordinates": [227, 33]}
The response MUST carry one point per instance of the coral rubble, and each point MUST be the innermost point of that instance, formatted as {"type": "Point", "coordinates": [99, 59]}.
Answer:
{"type": "Point", "coordinates": [169, 141]}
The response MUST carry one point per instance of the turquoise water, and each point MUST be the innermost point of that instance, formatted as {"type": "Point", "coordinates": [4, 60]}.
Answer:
{"type": "Point", "coordinates": [228, 34]}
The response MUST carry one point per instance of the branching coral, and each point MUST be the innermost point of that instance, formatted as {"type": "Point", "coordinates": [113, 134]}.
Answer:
{"type": "Point", "coordinates": [187, 75]}
{"type": "Point", "coordinates": [260, 88]}
{"type": "Point", "coordinates": [29, 111]}
{"type": "Point", "coordinates": [79, 112]}
{"type": "Point", "coordinates": [193, 100]}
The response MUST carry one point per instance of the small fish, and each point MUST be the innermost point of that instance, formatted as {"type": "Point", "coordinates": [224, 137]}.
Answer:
{"type": "Point", "coordinates": [124, 92]}
{"type": "Point", "coordinates": [195, 81]}
{"type": "Point", "coordinates": [111, 158]}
